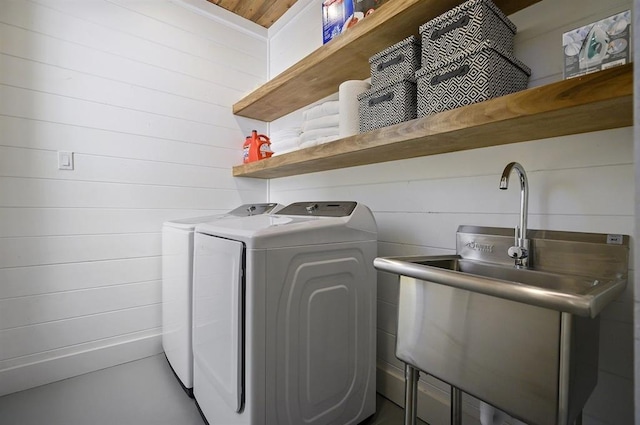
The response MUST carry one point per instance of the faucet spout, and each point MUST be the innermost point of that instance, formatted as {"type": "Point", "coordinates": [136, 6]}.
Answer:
{"type": "Point", "coordinates": [520, 251]}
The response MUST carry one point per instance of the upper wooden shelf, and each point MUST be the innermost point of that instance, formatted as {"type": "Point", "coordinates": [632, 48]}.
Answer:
{"type": "Point", "coordinates": [598, 101]}
{"type": "Point", "coordinates": [346, 57]}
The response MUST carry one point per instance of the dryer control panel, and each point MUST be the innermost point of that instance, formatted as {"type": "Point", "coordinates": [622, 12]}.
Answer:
{"type": "Point", "coordinates": [253, 209]}
{"type": "Point", "coordinates": [321, 209]}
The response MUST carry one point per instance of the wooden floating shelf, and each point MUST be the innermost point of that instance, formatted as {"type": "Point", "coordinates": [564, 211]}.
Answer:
{"type": "Point", "coordinates": [346, 57]}
{"type": "Point", "coordinates": [598, 101]}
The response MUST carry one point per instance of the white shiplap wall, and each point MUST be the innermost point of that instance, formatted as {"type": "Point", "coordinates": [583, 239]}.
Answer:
{"type": "Point", "coordinates": [141, 92]}
{"type": "Point", "coordinates": [636, 134]}
{"type": "Point", "coordinates": [579, 183]}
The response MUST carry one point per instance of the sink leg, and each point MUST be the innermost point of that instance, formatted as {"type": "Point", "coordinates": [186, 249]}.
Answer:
{"type": "Point", "coordinates": [456, 406]}
{"type": "Point", "coordinates": [578, 420]}
{"type": "Point", "coordinates": [411, 376]}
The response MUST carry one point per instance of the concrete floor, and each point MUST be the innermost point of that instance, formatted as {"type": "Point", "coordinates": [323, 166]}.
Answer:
{"type": "Point", "coordinates": [143, 392]}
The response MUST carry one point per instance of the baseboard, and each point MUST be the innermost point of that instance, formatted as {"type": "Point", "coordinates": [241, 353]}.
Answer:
{"type": "Point", "coordinates": [434, 405]}
{"type": "Point", "coordinates": [56, 368]}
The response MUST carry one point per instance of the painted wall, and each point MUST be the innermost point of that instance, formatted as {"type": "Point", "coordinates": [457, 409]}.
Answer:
{"type": "Point", "coordinates": [141, 92]}
{"type": "Point", "coordinates": [636, 138]}
{"type": "Point", "coordinates": [579, 183]}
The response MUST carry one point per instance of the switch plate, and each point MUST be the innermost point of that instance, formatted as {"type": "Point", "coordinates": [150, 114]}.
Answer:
{"type": "Point", "coordinates": [65, 160]}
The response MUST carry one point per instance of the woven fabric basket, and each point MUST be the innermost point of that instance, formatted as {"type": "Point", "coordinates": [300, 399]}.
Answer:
{"type": "Point", "coordinates": [462, 28]}
{"type": "Point", "coordinates": [395, 62]}
{"type": "Point", "coordinates": [480, 74]}
{"type": "Point", "coordinates": [388, 105]}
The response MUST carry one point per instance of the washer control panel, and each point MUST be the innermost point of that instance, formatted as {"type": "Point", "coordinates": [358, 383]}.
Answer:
{"type": "Point", "coordinates": [321, 209]}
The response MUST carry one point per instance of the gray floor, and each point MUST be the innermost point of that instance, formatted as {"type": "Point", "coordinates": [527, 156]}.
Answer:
{"type": "Point", "coordinates": [141, 392]}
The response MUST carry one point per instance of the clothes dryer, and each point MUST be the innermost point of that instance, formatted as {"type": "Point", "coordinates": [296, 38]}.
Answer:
{"type": "Point", "coordinates": [177, 285]}
{"type": "Point", "coordinates": [284, 316]}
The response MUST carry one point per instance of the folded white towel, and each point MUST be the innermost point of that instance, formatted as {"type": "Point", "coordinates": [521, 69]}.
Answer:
{"type": "Point", "coordinates": [327, 139]}
{"type": "Point", "coordinates": [327, 108]}
{"type": "Point", "coordinates": [285, 144]}
{"type": "Point", "coordinates": [308, 144]}
{"type": "Point", "coordinates": [288, 139]}
{"type": "Point", "coordinates": [285, 133]}
{"type": "Point", "coordinates": [283, 151]}
{"type": "Point", "coordinates": [322, 122]}
{"type": "Point", "coordinates": [318, 133]}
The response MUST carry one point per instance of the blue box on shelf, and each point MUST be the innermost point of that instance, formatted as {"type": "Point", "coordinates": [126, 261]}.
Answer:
{"type": "Point", "coordinates": [337, 15]}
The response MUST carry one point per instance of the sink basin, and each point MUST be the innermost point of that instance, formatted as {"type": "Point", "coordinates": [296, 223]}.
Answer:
{"type": "Point", "coordinates": [579, 295]}
{"type": "Point", "coordinates": [523, 340]}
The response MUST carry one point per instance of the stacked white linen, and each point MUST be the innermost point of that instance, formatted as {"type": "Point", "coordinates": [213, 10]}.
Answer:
{"type": "Point", "coordinates": [320, 124]}
{"type": "Point", "coordinates": [285, 140]}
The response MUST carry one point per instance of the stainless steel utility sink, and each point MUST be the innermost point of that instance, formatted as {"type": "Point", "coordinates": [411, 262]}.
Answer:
{"type": "Point", "coordinates": [579, 295]}
{"type": "Point", "coordinates": [523, 340]}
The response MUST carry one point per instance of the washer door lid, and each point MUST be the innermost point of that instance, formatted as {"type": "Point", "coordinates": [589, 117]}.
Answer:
{"type": "Point", "coordinates": [218, 336]}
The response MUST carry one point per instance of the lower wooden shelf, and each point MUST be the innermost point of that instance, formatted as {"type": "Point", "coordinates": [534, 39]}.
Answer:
{"type": "Point", "coordinates": [598, 101]}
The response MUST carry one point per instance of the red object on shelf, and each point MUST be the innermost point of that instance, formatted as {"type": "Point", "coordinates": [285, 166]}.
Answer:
{"type": "Point", "coordinates": [256, 147]}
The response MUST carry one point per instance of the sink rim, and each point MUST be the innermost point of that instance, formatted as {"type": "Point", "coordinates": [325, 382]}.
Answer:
{"type": "Point", "coordinates": [589, 304]}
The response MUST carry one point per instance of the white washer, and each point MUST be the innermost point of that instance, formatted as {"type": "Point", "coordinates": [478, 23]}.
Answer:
{"type": "Point", "coordinates": [177, 275]}
{"type": "Point", "coordinates": [284, 316]}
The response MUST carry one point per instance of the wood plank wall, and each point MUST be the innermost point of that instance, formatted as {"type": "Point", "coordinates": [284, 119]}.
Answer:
{"type": "Point", "coordinates": [579, 183]}
{"type": "Point", "coordinates": [141, 92]}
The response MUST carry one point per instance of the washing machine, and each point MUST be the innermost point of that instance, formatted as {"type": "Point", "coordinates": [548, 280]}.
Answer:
{"type": "Point", "coordinates": [177, 274]}
{"type": "Point", "coordinates": [284, 316]}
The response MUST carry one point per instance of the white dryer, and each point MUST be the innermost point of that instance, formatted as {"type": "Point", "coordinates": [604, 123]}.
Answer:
{"type": "Point", "coordinates": [284, 316]}
{"type": "Point", "coordinates": [177, 284]}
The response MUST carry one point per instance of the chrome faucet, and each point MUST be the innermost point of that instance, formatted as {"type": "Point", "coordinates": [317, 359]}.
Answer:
{"type": "Point", "coordinates": [520, 251]}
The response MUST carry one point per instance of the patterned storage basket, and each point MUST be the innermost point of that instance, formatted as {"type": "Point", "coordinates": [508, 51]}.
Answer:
{"type": "Point", "coordinates": [387, 105]}
{"type": "Point", "coordinates": [395, 62]}
{"type": "Point", "coordinates": [462, 27]}
{"type": "Point", "coordinates": [473, 76]}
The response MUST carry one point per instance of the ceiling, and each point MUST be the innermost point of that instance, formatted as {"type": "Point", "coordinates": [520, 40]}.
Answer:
{"type": "Point", "coordinates": [262, 12]}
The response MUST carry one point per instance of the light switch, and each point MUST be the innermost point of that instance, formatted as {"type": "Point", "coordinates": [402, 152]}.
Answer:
{"type": "Point", "coordinates": [65, 160]}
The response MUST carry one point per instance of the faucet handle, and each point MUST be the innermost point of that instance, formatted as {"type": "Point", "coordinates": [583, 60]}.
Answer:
{"type": "Point", "coordinates": [518, 236]}
{"type": "Point", "coordinates": [517, 252]}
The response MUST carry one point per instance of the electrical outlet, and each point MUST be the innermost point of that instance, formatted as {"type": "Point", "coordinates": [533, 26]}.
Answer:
{"type": "Point", "coordinates": [65, 160]}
